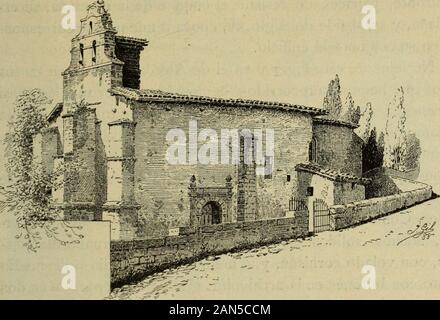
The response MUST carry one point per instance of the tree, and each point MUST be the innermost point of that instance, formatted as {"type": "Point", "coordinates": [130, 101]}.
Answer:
{"type": "Point", "coordinates": [364, 128]}
{"type": "Point", "coordinates": [395, 147]}
{"type": "Point", "coordinates": [414, 151]}
{"type": "Point", "coordinates": [356, 116]}
{"type": "Point", "coordinates": [381, 143]}
{"type": "Point", "coordinates": [28, 196]}
{"type": "Point", "coordinates": [352, 114]}
{"type": "Point", "coordinates": [332, 101]}
{"type": "Point", "coordinates": [372, 154]}
{"type": "Point", "coordinates": [348, 108]}
{"type": "Point", "coordinates": [27, 121]}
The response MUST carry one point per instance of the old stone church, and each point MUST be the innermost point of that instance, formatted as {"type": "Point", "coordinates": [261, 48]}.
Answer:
{"type": "Point", "coordinates": [119, 139]}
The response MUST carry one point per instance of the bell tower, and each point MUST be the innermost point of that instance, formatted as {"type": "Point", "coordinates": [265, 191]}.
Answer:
{"type": "Point", "coordinates": [98, 136]}
{"type": "Point", "coordinates": [95, 44]}
{"type": "Point", "coordinates": [94, 67]}
{"type": "Point", "coordinates": [100, 59]}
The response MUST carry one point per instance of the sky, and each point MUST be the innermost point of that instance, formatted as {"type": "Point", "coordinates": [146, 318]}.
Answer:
{"type": "Point", "coordinates": [277, 50]}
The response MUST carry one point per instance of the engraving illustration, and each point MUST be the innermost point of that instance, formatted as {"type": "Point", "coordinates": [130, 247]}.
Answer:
{"type": "Point", "coordinates": [167, 194]}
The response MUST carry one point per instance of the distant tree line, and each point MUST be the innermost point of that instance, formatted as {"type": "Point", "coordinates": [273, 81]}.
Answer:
{"type": "Point", "coordinates": [394, 147]}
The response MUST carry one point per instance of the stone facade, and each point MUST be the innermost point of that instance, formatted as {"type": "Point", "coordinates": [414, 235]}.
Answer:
{"type": "Point", "coordinates": [46, 146]}
{"type": "Point", "coordinates": [322, 188]}
{"type": "Point", "coordinates": [115, 135]}
{"type": "Point", "coordinates": [246, 185]}
{"type": "Point", "coordinates": [343, 216]}
{"type": "Point", "coordinates": [132, 260]}
{"type": "Point", "coordinates": [200, 197]}
{"type": "Point", "coordinates": [163, 188]}
{"type": "Point", "coordinates": [347, 192]}
{"type": "Point", "coordinates": [99, 140]}
{"type": "Point", "coordinates": [337, 146]}
{"type": "Point", "coordinates": [83, 190]}
{"type": "Point", "coordinates": [333, 187]}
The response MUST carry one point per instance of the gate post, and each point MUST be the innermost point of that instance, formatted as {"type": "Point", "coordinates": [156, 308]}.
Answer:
{"type": "Point", "coordinates": [311, 214]}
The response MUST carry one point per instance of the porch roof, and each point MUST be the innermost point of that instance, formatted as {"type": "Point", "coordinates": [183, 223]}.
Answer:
{"type": "Point", "coordinates": [330, 174]}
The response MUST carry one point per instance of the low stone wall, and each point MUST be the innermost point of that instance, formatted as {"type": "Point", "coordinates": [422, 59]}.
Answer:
{"type": "Point", "coordinates": [342, 216]}
{"type": "Point", "coordinates": [132, 260]}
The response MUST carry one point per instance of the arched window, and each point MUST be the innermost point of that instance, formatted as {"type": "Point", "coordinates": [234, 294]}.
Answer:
{"type": "Point", "coordinates": [91, 27]}
{"type": "Point", "coordinates": [94, 51]}
{"type": "Point", "coordinates": [81, 53]}
{"type": "Point", "coordinates": [313, 150]}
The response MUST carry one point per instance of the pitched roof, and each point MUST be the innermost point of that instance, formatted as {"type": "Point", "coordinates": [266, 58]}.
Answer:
{"type": "Point", "coordinates": [55, 112]}
{"type": "Point", "coordinates": [330, 174]}
{"type": "Point", "coordinates": [162, 96]}
{"type": "Point", "coordinates": [336, 122]}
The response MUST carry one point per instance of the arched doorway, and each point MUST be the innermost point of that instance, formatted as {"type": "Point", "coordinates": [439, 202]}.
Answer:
{"type": "Point", "coordinates": [211, 213]}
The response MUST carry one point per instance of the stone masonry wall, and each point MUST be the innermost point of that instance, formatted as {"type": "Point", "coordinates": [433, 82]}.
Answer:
{"type": "Point", "coordinates": [132, 260]}
{"type": "Point", "coordinates": [343, 216]}
{"type": "Point", "coordinates": [246, 187]}
{"type": "Point", "coordinates": [347, 192]}
{"type": "Point", "coordinates": [338, 148]}
{"type": "Point", "coordinates": [81, 192]}
{"type": "Point", "coordinates": [46, 146]}
{"type": "Point", "coordinates": [162, 188]}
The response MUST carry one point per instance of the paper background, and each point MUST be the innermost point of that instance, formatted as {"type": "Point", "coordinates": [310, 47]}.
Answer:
{"type": "Point", "coordinates": [285, 51]}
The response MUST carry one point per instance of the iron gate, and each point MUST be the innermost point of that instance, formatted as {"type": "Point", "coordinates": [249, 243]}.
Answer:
{"type": "Point", "coordinates": [321, 216]}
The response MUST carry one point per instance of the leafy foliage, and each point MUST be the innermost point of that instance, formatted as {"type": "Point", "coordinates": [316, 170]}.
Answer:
{"type": "Point", "coordinates": [395, 133]}
{"type": "Point", "coordinates": [27, 121]}
{"type": "Point", "coordinates": [394, 148]}
{"type": "Point", "coordinates": [364, 129]}
{"type": "Point", "coordinates": [372, 153]}
{"type": "Point", "coordinates": [352, 114]}
{"type": "Point", "coordinates": [333, 104]}
{"type": "Point", "coordinates": [414, 151]}
{"type": "Point", "coordinates": [332, 101]}
{"type": "Point", "coordinates": [28, 196]}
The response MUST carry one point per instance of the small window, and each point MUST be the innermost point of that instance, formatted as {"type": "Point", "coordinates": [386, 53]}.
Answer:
{"type": "Point", "coordinates": [94, 51]}
{"type": "Point", "coordinates": [81, 54]}
{"type": "Point", "coordinates": [288, 178]}
{"type": "Point", "coordinates": [91, 27]}
{"type": "Point", "coordinates": [309, 191]}
{"type": "Point", "coordinates": [353, 185]}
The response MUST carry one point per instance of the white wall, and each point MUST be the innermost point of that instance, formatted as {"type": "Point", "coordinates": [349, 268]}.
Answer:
{"type": "Point", "coordinates": [28, 275]}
